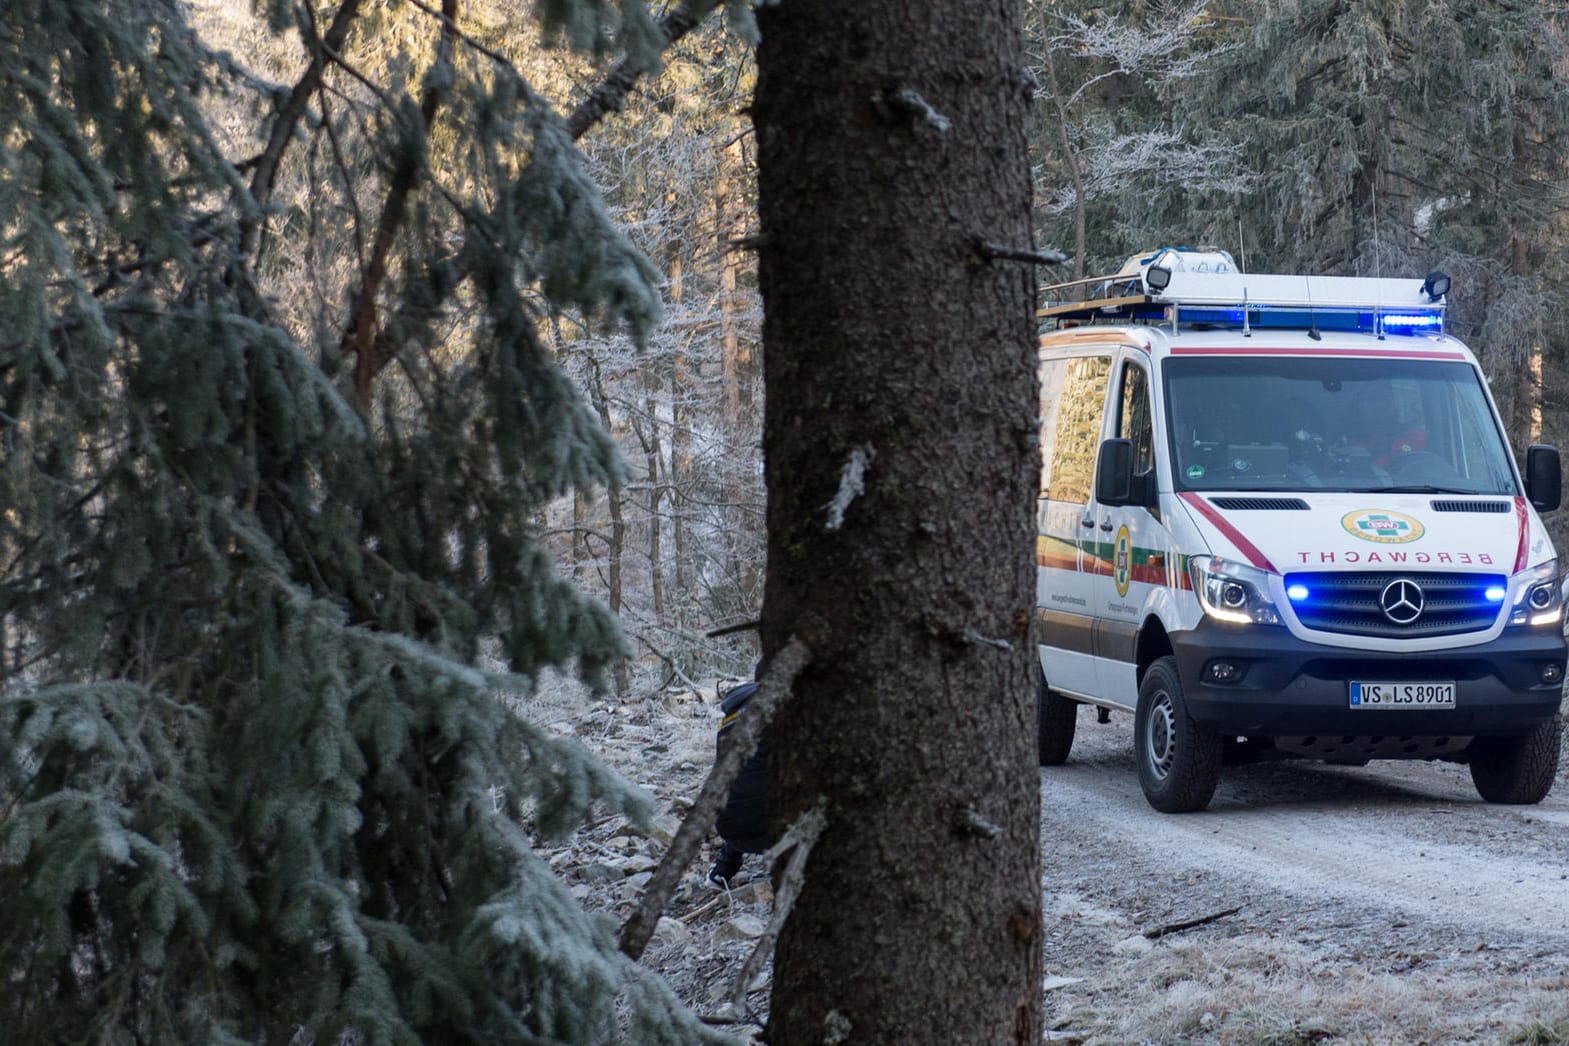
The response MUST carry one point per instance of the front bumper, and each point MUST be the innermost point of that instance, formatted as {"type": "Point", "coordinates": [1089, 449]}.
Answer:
{"type": "Point", "coordinates": [1292, 687]}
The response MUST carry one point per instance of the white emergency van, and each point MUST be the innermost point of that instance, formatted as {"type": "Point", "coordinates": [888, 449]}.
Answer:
{"type": "Point", "coordinates": [1279, 518]}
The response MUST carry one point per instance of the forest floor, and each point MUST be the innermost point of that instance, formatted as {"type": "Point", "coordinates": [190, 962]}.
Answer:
{"type": "Point", "coordinates": [1377, 905]}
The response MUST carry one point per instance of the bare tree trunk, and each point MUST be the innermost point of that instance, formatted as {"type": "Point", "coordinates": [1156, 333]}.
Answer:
{"type": "Point", "coordinates": [730, 222]}
{"type": "Point", "coordinates": [1525, 394]}
{"type": "Point", "coordinates": [1075, 172]}
{"type": "Point", "coordinates": [653, 462]}
{"type": "Point", "coordinates": [1534, 390]}
{"type": "Point", "coordinates": [899, 443]}
{"type": "Point", "coordinates": [618, 530]}
{"type": "Point", "coordinates": [732, 207]}
{"type": "Point", "coordinates": [580, 550]}
{"type": "Point", "coordinates": [681, 474]}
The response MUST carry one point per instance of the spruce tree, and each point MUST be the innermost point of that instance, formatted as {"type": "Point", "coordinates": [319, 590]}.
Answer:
{"type": "Point", "coordinates": [1368, 137]}
{"type": "Point", "coordinates": [276, 424]}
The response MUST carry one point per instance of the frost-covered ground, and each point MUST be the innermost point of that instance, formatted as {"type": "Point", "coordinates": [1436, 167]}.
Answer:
{"type": "Point", "coordinates": [1382, 905]}
{"type": "Point", "coordinates": [665, 744]}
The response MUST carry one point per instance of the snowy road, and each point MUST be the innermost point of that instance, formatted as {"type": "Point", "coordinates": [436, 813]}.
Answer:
{"type": "Point", "coordinates": [1381, 904]}
{"type": "Point", "coordinates": [1410, 837]}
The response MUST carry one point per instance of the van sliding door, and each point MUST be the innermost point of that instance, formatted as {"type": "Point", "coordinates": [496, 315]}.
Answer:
{"type": "Point", "coordinates": [1073, 409]}
{"type": "Point", "coordinates": [1130, 547]}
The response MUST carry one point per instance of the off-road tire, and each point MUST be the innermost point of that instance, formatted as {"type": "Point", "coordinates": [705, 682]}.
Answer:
{"type": "Point", "coordinates": [1517, 770]}
{"type": "Point", "coordinates": [1056, 719]}
{"type": "Point", "coordinates": [1179, 761]}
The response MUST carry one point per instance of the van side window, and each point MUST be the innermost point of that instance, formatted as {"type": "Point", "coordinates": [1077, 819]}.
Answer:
{"type": "Point", "coordinates": [1073, 401]}
{"type": "Point", "coordinates": [1133, 416]}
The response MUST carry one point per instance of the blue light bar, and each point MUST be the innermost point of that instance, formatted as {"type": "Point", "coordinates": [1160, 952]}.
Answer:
{"type": "Point", "coordinates": [1296, 592]}
{"type": "Point", "coordinates": [1412, 321]}
{"type": "Point", "coordinates": [1265, 317]}
{"type": "Point", "coordinates": [1495, 593]}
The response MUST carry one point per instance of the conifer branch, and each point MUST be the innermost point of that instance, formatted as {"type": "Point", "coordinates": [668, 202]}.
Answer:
{"type": "Point", "coordinates": [741, 742]}
{"type": "Point", "coordinates": [611, 93]}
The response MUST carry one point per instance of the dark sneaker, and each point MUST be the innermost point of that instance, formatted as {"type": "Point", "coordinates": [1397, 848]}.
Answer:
{"type": "Point", "coordinates": [727, 863]}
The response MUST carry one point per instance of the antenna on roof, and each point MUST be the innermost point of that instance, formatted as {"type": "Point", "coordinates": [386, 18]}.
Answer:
{"type": "Point", "coordinates": [1378, 269]}
{"type": "Point", "coordinates": [1242, 246]}
{"type": "Point", "coordinates": [1307, 284]}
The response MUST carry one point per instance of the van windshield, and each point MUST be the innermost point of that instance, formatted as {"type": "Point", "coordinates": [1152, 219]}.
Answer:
{"type": "Point", "coordinates": [1292, 423]}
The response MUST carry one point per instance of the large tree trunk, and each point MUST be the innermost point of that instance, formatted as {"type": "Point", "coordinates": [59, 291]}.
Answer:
{"type": "Point", "coordinates": [900, 435]}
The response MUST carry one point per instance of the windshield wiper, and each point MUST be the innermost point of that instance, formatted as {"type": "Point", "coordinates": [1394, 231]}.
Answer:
{"type": "Point", "coordinates": [1421, 488]}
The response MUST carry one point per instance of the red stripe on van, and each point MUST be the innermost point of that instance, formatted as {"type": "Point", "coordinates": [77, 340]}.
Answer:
{"type": "Point", "coordinates": [1404, 354]}
{"type": "Point", "coordinates": [1523, 520]}
{"type": "Point", "coordinates": [1233, 535]}
{"type": "Point", "coordinates": [1056, 561]}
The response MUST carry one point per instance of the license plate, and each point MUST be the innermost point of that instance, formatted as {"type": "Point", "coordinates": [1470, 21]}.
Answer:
{"type": "Point", "coordinates": [1402, 695]}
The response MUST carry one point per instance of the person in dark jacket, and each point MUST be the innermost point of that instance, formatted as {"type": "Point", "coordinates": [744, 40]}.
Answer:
{"type": "Point", "coordinates": [743, 821]}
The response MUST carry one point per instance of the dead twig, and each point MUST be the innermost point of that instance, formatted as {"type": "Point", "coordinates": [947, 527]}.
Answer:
{"type": "Point", "coordinates": [1157, 932]}
{"type": "Point", "coordinates": [731, 629]}
{"type": "Point", "coordinates": [798, 843]}
{"type": "Point", "coordinates": [999, 252]}
{"type": "Point", "coordinates": [708, 906]}
{"type": "Point", "coordinates": [741, 742]}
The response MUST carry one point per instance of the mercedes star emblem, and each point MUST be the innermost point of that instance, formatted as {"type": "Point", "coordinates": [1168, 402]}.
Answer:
{"type": "Point", "coordinates": [1401, 601]}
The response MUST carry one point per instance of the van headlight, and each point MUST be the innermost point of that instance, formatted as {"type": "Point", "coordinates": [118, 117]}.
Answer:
{"type": "Point", "coordinates": [1538, 598]}
{"type": "Point", "coordinates": [1233, 592]}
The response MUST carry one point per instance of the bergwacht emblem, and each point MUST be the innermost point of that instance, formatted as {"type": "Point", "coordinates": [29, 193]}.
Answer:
{"type": "Point", "coordinates": [1382, 525]}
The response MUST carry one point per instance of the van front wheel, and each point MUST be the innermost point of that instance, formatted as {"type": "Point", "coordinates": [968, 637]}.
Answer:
{"type": "Point", "coordinates": [1056, 720]}
{"type": "Point", "coordinates": [1517, 770]}
{"type": "Point", "coordinates": [1179, 761]}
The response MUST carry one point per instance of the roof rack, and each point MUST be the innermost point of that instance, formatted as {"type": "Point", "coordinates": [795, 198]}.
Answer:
{"type": "Point", "coordinates": [1203, 287]}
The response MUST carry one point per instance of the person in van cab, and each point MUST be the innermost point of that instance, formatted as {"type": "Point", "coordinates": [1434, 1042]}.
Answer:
{"type": "Point", "coordinates": [1383, 433]}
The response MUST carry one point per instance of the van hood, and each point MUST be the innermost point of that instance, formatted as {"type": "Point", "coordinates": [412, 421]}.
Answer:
{"type": "Point", "coordinates": [1308, 531]}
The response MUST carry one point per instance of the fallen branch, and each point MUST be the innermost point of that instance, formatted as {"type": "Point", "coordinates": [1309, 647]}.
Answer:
{"type": "Point", "coordinates": [1158, 932]}
{"type": "Point", "coordinates": [741, 742]}
{"type": "Point", "coordinates": [706, 907]}
{"type": "Point", "coordinates": [798, 842]}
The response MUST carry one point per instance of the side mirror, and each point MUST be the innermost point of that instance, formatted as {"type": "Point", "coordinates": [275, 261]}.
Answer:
{"type": "Point", "coordinates": [1543, 477]}
{"type": "Point", "coordinates": [1114, 472]}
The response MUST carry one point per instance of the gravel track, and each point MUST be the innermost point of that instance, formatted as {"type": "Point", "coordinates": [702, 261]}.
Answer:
{"type": "Point", "coordinates": [1377, 904]}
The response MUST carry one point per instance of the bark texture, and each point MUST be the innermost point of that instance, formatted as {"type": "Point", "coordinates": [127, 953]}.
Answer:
{"type": "Point", "coordinates": [901, 467]}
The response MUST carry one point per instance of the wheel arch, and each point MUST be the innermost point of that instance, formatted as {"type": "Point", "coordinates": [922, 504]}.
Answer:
{"type": "Point", "coordinates": [1153, 643]}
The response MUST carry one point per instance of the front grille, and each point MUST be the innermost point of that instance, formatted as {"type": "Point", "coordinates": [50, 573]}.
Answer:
{"type": "Point", "coordinates": [1348, 603]}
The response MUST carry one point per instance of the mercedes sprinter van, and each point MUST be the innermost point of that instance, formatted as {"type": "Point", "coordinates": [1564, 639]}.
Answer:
{"type": "Point", "coordinates": [1279, 517]}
